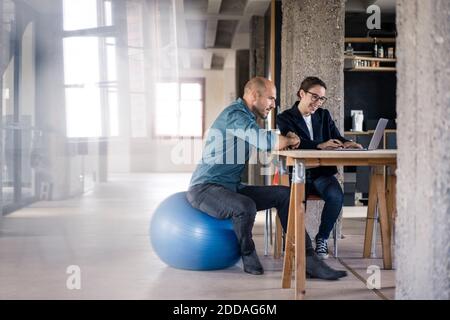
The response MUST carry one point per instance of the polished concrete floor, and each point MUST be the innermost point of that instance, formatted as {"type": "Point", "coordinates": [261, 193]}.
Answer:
{"type": "Point", "coordinates": [105, 234]}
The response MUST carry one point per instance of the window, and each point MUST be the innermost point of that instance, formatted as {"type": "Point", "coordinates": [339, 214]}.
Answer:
{"type": "Point", "coordinates": [136, 70]}
{"type": "Point", "coordinates": [86, 14]}
{"type": "Point", "coordinates": [80, 14]}
{"type": "Point", "coordinates": [81, 76]}
{"type": "Point", "coordinates": [108, 13]}
{"type": "Point", "coordinates": [90, 69]}
{"type": "Point", "coordinates": [179, 109]}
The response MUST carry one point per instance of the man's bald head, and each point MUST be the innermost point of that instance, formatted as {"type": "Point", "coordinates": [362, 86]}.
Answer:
{"type": "Point", "coordinates": [260, 95]}
{"type": "Point", "coordinates": [257, 84]}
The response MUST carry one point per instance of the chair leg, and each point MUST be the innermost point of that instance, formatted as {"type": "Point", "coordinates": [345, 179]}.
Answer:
{"type": "Point", "coordinates": [270, 228]}
{"type": "Point", "coordinates": [266, 234]}
{"type": "Point", "coordinates": [278, 245]}
{"type": "Point", "coordinates": [337, 233]}
{"type": "Point", "coordinates": [335, 237]}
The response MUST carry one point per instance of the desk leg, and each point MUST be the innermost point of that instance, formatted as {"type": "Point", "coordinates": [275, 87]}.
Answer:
{"type": "Point", "coordinates": [377, 194]}
{"type": "Point", "coordinates": [300, 254]}
{"type": "Point", "coordinates": [391, 181]}
{"type": "Point", "coordinates": [289, 244]}
{"type": "Point", "coordinates": [384, 222]}
{"type": "Point", "coordinates": [295, 236]}
{"type": "Point", "coordinates": [370, 216]}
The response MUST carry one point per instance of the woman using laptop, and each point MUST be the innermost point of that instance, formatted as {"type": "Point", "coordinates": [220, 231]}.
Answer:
{"type": "Point", "coordinates": [317, 130]}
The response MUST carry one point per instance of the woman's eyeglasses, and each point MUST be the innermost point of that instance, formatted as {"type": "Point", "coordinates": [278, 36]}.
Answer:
{"type": "Point", "coordinates": [316, 97]}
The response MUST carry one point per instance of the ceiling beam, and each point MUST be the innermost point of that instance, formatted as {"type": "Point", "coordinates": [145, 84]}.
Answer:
{"type": "Point", "coordinates": [214, 6]}
{"type": "Point", "coordinates": [211, 32]}
{"type": "Point", "coordinates": [207, 60]}
{"type": "Point", "coordinates": [230, 60]}
{"type": "Point", "coordinates": [253, 8]}
{"type": "Point", "coordinates": [181, 38]}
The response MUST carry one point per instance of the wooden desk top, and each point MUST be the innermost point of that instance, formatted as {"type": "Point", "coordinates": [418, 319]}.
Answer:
{"type": "Point", "coordinates": [348, 158]}
{"type": "Point", "coordinates": [328, 154]}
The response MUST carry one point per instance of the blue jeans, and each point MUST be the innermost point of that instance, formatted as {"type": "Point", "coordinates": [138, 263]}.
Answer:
{"type": "Point", "coordinates": [329, 189]}
{"type": "Point", "coordinates": [241, 207]}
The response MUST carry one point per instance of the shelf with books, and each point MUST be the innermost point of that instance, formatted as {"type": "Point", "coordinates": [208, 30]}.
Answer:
{"type": "Point", "coordinates": [369, 64]}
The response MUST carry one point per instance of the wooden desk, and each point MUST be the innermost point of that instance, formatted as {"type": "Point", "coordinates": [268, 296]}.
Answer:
{"type": "Point", "coordinates": [295, 236]}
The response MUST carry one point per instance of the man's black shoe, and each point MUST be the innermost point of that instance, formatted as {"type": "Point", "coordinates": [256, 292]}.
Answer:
{"type": "Point", "coordinates": [316, 268]}
{"type": "Point", "coordinates": [251, 264]}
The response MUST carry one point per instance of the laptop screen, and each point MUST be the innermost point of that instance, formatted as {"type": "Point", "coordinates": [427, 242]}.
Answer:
{"type": "Point", "coordinates": [378, 134]}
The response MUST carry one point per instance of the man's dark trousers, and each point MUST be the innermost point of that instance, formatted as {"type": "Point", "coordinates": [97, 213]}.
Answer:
{"type": "Point", "coordinates": [241, 206]}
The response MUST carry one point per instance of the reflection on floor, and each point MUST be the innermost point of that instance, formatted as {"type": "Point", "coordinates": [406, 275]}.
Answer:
{"type": "Point", "coordinates": [105, 233]}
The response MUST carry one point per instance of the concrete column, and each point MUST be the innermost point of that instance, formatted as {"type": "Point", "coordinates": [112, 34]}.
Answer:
{"type": "Point", "coordinates": [312, 44]}
{"type": "Point", "coordinates": [423, 175]}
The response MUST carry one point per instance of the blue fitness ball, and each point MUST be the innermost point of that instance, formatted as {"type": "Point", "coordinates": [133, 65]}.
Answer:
{"type": "Point", "coordinates": [187, 238]}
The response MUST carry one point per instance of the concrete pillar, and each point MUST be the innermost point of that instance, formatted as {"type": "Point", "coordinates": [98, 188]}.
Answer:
{"type": "Point", "coordinates": [423, 175]}
{"type": "Point", "coordinates": [312, 44]}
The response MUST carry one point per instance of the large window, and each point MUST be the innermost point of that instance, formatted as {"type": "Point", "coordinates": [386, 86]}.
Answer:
{"type": "Point", "coordinates": [80, 14]}
{"type": "Point", "coordinates": [86, 14]}
{"type": "Point", "coordinates": [179, 109]}
{"type": "Point", "coordinates": [90, 69]}
{"type": "Point", "coordinates": [81, 70]}
{"type": "Point", "coordinates": [137, 67]}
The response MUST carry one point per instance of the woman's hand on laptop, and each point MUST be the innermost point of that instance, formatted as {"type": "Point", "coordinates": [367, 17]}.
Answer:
{"type": "Point", "coordinates": [331, 144]}
{"type": "Point", "coordinates": [352, 144]}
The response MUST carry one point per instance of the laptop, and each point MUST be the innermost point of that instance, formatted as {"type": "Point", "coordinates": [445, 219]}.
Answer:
{"type": "Point", "coordinates": [376, 138]}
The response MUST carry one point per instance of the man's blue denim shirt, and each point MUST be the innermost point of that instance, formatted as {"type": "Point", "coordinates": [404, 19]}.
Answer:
{"type": "Point", "coordinates": [227, 146]}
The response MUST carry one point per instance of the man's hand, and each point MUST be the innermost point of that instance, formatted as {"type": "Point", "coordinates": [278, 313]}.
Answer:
{"type": "Point", "coordinates": [290, 140]}
{"type": "Point", "coordinates": [331, 144]}
{"type": "Point", "coordinates": [352, 144]}
{"type": "Point", "coordinates": [294, 140]}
